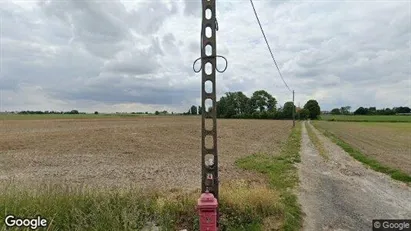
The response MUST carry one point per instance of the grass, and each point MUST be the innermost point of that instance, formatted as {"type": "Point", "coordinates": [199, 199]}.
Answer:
{"type": "Point", "coordinates": [243, 207]}
{"type": "Point", "coordinates": [374, 164]}
{"type": "Point", "coordinates": [282, 174]}
{"type": "Point", "coordinates": [317, 143]}
{"type": "Point", "coordinates": [367, 118]}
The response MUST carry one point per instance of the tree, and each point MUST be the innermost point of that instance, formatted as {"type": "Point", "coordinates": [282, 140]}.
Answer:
{"type": "Point", "coordinates": [263, 101]}
{"type": "Point", "coordinates": [402, 109]}
{"type": "Point", "coordinates": [193, 110]}
{"type": "Point", "coordinates": [361, 111]}
{"type": "Point", "coordinates": [232, 104]}
{"type": "Point", "coordinates": [335, 111]}
{"type": "Point", "coordinates": [288, 110]}
{"type": "Point", "coordinates": [73, 112]}
{"type": "Point", "coordinates": [157, 113]}
{"type": "Point", "coordinates": [96, 113]}
{"type": "Point", "coordinates": [313, 108]}
{"type": "Point", "coordinates": [303, 114]}
{"type": "Point", "coordinates": [199, 110]}
{"type": "Point", "coordinates": [345, 110]}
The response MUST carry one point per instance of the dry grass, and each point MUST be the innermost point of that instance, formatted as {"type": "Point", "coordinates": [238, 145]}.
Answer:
{"type": "Point", "coordinates": [159, 152]}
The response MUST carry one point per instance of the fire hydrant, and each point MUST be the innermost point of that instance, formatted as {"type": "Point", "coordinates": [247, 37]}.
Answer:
{"type": "Point", "coordinates": [207, 206]}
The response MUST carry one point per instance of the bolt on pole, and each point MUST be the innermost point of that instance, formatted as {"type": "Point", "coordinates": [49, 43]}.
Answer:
{"type": "Point", "coordinates": [209, 156]}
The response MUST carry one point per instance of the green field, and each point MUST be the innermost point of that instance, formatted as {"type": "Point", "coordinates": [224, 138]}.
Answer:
{"type": "Point", "coordinates": [367, 118]}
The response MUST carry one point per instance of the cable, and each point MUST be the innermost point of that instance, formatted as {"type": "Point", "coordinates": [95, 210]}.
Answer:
{"type": "Point", "coordinates": [272, 56]}
{"type": "Point", "coordinates": [212, 56]}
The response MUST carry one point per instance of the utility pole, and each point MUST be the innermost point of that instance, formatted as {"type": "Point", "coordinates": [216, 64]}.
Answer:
{"type": "Point", "coordinates": [293, 111]}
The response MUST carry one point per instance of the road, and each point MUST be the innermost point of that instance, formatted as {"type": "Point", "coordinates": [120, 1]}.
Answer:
{"type": "Point", "coordinates": [343, 194]}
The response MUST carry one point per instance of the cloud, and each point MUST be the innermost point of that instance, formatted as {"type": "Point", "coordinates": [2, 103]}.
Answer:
{"type": "Point", "coordinates": [122, 55]}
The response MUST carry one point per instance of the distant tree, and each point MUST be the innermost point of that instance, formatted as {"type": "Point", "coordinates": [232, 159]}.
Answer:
{"type": "Point", "coordinates": [314, 109]}
{"type": "Point", "coordinates": [146, 112]}
{"type": "Point", "coordinates": [402, 109]}
{"type": "Point", "coordinates": [199, 110]}
{"type": "Point", "coordinates": [361, 111]}
{"type": "Point", "coordinates": [193, 110]}
{"type": "Point", "coordinates": [73, 112]}
{"type": "Point", "coordinates": [372, 111]}
{"type": "Point", "coordinates": [157, 113]}
{"type": "Point", "coordinates": [303, 114]}
{"type": "Point", "coordinates": [335, 111]}
{"type": "Point", "coordinates": [263, 101]}
{"type": "Point", "coordinates": [96, 113]}
{"type": "Point", "coordinates": [345, 110]}
{"type": "Point", "coordinates": [287, 112]}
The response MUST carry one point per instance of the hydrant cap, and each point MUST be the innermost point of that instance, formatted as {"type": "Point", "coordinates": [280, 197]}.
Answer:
{"type": "Point", "coordinates": [207, 200]}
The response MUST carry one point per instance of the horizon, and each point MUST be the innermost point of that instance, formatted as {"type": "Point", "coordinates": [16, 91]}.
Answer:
{"type": "Point", "coordinates": [141, 60]}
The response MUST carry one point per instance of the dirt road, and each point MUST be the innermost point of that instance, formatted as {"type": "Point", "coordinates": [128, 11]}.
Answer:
{"type": "Point", "coordinates": [343, 194]}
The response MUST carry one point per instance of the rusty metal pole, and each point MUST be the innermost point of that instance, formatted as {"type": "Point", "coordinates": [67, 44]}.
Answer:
{"type": "Point", "coordinates": [209, 155]}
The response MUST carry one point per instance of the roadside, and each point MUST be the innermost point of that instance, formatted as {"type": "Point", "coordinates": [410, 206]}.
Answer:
{"type": "Point", "coordinates": [282, 175]}
{"type": "Point", "coordinates": [341, 194]}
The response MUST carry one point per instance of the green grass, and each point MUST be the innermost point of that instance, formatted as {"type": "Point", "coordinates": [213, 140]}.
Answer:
{"type": "Point", "coordinates": [374, 164]}
{"type": "Point", "coordinates": [283, 177]}
{"type": "Point", "coordinates": [317, 143]}
{"type": "Point", "coordinates": [367, 118]}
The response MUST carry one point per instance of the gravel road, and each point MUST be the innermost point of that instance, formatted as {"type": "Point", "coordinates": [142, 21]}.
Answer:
{"type": "Point", "coordinates": [343, 194]}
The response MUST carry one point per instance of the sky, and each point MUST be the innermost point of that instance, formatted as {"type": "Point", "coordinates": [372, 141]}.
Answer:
{"type": "Point", "coordinates": [124, 56]}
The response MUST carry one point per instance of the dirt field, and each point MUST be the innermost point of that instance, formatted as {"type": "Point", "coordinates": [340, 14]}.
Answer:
{"type": "Point", "coordinates": [159, 152]}
{"type": "Point", "coordinates": [388, 143]}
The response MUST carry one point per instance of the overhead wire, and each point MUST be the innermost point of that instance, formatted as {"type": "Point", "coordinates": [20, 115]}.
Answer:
{"type": "Point", "coordinates": [268, 45]}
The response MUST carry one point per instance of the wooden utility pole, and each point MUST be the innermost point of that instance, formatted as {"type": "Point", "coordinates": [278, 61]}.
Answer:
{"type": "Point", "coordinates": [293, 111]}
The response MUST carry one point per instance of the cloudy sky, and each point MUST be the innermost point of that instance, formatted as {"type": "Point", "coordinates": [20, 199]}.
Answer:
{"type": "Point", "coordinates": [137, 55]}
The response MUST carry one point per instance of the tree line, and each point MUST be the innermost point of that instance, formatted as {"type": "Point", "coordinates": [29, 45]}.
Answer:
{"type": "Point", "coordinates": [370, 111]}
{"type": "Point", "coordinates": [51, 112]}
{"type": "Point", "coordinates": [261, 105]}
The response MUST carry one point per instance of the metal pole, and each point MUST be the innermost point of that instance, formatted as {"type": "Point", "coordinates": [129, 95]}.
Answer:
{"type": "Point", "coordinates": [209, 156]}
{"type": "Point", "coordinates": [293, 111]}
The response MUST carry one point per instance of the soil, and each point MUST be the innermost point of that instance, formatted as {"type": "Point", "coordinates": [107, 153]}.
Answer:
{"type": "Point", "coordinates": [147, 152]}
{"type": "Point", "coordinates": [388, 143]}
{"type": "Point", "coordinates": [342, 193]}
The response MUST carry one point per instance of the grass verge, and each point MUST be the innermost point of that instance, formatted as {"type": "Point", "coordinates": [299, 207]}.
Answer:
{"type": "Point", "coordinates": [374, 164]}
{"type": "Point", "coordinates": [243, 207]}
{"type": "Point", "coordinates": [316, 141]}
{"type": "Point", "coordinates": [283, 177]}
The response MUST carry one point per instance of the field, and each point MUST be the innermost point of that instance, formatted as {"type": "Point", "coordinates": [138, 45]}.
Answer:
{"type": "Point", "coordinates": [367, 118]}
{"type": "Point", "coordinates": [130, 173]}
{"type": "Point", "coordinates": [387, 143]}
{"type": "Point", "coordinates": [161, 152]}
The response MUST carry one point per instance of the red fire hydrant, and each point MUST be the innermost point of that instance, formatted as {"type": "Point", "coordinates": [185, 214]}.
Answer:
{"type": "Point", "coordinates": [207, 206]}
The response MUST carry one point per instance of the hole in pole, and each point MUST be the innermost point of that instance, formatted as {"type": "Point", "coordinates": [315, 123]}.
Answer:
{"type": "Point", "coordinates": [208, 142]}
{"type": "Point", "coordinates": [208, 50]}
{"type": "Point", "coordinates": [208, 14]}
{"type": "Point", "coordinates": [208, 86]}
{"type": "Point", "coordinates": [209, 160]}
{"type": "Point", "coordinates": [208, 32]}
{"type": "Point", "coordinates": [208, 105]}
{"type": "Point", "coordinates": [208, 68]}
{"type": "Point", "coordinates": [208, 124]}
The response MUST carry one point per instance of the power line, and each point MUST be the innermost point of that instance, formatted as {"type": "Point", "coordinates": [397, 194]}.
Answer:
{"type": "Point", "coordinates": [272, 56]}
